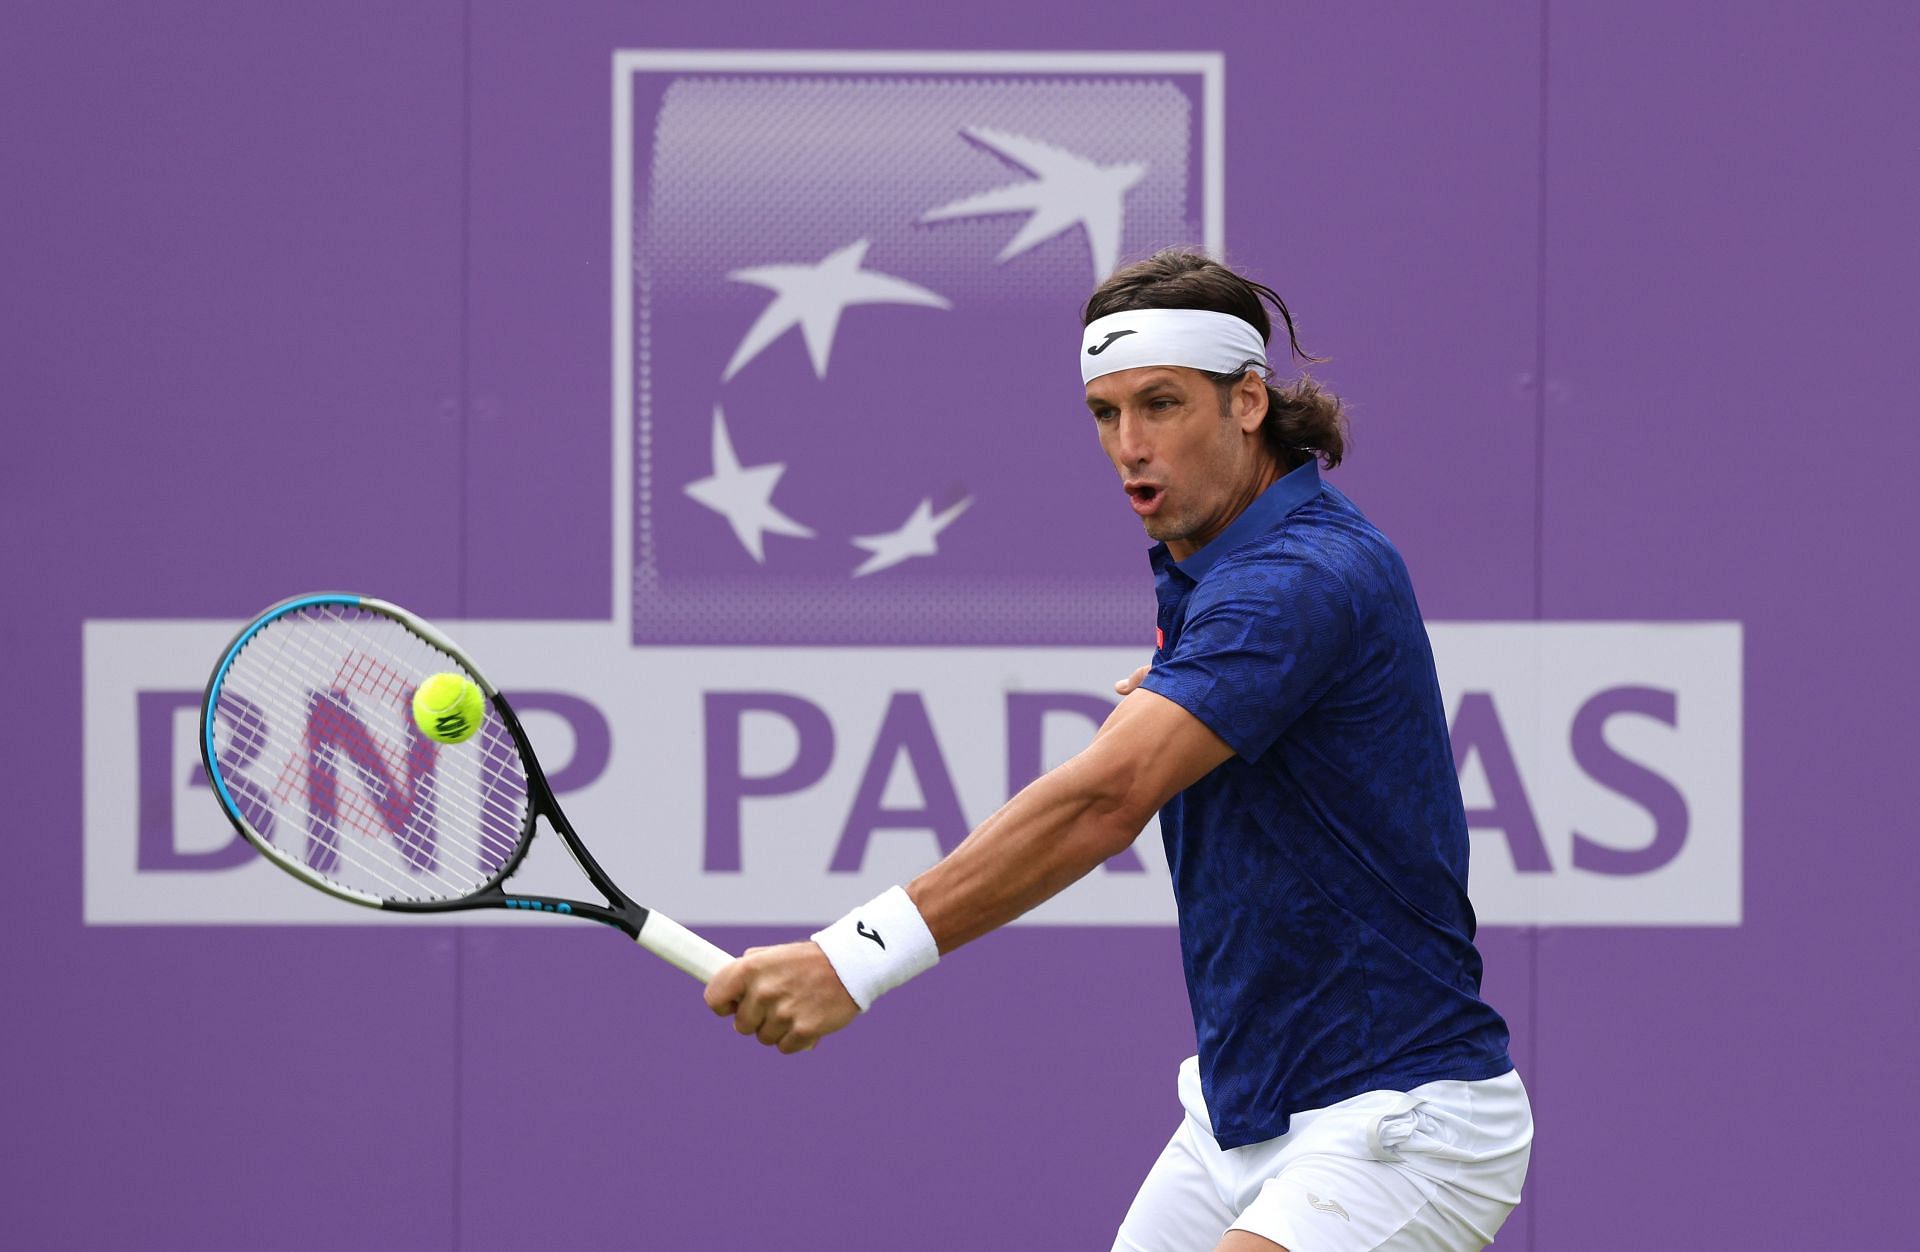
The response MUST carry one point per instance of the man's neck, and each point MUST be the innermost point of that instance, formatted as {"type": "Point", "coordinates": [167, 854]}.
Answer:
{"type": "Point", "coordinates": [1266, 475]}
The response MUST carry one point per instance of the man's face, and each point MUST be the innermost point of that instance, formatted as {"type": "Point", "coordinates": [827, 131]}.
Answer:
{"type": "Point", "coordinates": [1187, 451]}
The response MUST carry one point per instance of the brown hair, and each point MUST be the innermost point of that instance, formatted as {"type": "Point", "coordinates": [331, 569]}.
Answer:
{"type": "Point", "coordinates": [1304, 420]}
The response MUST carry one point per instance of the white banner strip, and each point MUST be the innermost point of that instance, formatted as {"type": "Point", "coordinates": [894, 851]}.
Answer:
{"type": "Point", "coordinates": [1600, 765]}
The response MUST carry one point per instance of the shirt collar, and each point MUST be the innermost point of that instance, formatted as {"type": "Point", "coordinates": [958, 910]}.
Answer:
{"type": "Point", "coordinates": [1288, 493]}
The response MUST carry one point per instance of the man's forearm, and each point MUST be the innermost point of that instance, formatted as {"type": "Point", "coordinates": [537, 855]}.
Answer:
{"type": "Point", "coordinates": [1038, 844]}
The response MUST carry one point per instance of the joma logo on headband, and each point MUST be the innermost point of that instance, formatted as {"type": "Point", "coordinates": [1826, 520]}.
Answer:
{"type": "Point", "coordinates": [1098, 348]}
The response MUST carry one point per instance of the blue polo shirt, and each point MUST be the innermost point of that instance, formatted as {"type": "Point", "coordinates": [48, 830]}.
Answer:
{"type": "Point", "coordinates": [1321, 872]}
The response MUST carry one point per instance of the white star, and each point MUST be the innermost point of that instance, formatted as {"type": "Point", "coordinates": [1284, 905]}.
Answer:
{"type": "Point", "coordinates": [914, 538]}
{"type": "Point", "coordinates": [811, 297]}
{"type": "Point", "coordinates": [1068, 190]}
{"type": "Point", "coordinates": [744, 496]}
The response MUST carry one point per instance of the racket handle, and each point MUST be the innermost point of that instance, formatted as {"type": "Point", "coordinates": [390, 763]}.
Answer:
{"type": "Point", "coordinates": [681, 948]}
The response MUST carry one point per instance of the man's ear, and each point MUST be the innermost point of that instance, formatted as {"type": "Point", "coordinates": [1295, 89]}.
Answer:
{"type": "Point", "coordinates": [1250, 401]}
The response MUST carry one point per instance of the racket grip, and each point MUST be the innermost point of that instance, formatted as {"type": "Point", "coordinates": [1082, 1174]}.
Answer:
{"type": "Point", "coordinates": [681, 948]}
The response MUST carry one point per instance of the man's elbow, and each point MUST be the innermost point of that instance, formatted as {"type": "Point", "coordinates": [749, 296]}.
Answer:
{"type": "Point", "coordinates": [1117, 835]}
{"type": "Point", "coordinates": [1119, 816]}
{"type": "Point", "coordinates": [1116, 801]}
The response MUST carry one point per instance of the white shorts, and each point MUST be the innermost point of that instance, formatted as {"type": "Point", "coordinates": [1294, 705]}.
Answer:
{"type": "Point", "coordinates": [1435, 1169]}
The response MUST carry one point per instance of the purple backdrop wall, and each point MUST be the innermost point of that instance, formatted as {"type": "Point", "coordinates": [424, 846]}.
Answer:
{"type": "Point", "coordinates": [235, 232]}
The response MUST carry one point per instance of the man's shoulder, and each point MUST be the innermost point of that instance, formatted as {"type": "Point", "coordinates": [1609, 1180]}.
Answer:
{"type": "Point", "coordinates": [1326, 538]}
{"type": "Point", "coordinates": [1278, 575]}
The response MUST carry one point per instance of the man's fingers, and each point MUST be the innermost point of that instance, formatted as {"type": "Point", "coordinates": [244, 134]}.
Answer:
{"type": "Point", "coordinates": [750, 1016]}
{"type": "Point", "coordinates": [786, 997]}
{"type": "Point", "coordinates": [1126, 685]}
{"type": "Point", "coordinates": [723, 993]}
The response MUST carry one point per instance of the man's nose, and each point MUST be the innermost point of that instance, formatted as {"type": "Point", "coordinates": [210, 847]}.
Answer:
{"type": "Point", "coordinates": [1130, 444]}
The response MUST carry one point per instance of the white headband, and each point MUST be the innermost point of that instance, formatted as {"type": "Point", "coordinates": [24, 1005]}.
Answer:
{"type": "Point", "coordinates": [1200, 339]}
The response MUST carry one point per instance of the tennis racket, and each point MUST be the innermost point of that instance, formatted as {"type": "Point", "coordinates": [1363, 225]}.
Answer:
{"type": "Point", "coordinates": [308, 737]}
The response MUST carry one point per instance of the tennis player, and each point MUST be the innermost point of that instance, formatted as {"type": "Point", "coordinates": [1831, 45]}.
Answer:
{"type": "Point", "coordinates": [1352, 1091]}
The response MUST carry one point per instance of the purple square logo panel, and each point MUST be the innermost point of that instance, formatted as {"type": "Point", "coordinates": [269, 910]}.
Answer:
{"type": "Point", "coordinates": [848, 310]}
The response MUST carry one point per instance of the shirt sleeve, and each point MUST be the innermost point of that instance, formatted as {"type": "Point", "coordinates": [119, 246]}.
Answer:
{"type": "Point", "coordinates": [1260, 644]}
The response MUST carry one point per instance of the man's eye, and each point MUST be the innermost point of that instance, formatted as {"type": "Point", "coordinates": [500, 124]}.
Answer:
{"type": "Point", "coordinates": [1160, 403]}
{"type": "Point", "coordinates": [1103, 415]}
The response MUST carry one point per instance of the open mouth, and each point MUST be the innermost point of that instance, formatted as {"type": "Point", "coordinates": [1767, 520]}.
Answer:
{"type": "Point", "coordinates": [1145, 497]}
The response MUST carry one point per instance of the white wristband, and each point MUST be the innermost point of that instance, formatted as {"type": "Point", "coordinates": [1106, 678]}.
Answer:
{"type": "Point", "coordinates": [878, 946]}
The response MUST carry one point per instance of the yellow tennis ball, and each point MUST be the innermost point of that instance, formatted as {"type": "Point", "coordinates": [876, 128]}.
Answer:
{"type": "Point", "coordinates": [448, 708]}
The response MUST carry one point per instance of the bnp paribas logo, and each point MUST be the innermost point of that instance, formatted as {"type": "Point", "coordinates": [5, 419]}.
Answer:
{"type": "Point", "coordinates": [846, 301]}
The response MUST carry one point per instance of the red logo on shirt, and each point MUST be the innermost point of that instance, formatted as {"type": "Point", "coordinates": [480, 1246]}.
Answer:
{"type": "Point", "coordinates": [1159, 638]}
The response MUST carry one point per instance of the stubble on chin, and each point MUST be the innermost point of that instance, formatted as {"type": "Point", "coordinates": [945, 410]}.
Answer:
{"type": "Point", "coordinates": [1164, 529]}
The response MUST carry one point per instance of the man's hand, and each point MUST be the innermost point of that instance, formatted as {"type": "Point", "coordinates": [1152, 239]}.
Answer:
{"type": "Point", "coordinates": [786, 997]}
{"type": "Point", "coordinates": [1126, 685]}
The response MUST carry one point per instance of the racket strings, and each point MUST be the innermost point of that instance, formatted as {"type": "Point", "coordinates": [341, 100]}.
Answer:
{"type": "Point", "coordinates": [425, 818]}
{"type": "Point", "coordinates": [497, 803]}
{"type": "Point", "coordinates": [500, 760]}
{"type": "Point", "coordinates": [328, 687]}
{"type": "Point", "coordinates": [489, 818]}
{"type": "Point", "coordinates": [417, 874]}
{"type": "Point", "coordinates": [495, 810]}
